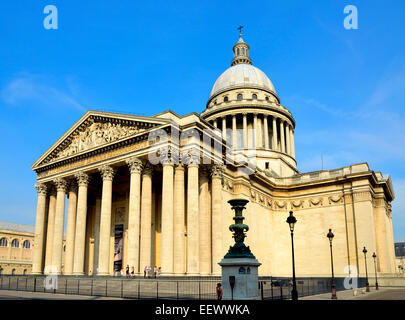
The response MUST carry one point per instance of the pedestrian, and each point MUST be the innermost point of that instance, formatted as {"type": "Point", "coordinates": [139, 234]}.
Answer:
{"type": "Point", "coordinates": [122, 272]}
{"type": "Point", "coordinates": [127, 271]}
{"type": "Point", "coordinates": [155, 272]}
{"type": "Point", "coordinates": [132, 271]}
{"type": "Point", "coordinates": [219, 291]}
{"type": "Point", "coordinates": [159, 271]}
{"type": "Point", "coordinates": [148, 271]}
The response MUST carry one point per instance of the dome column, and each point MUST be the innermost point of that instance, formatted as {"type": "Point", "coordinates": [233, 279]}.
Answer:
{"type": "Point", "coordinates": [255, 130]}
{"type": "Point", "coordinates": [292, 142]}
{"type": "Point", "coordinates": [245, 137]}
{"type": "Point", "coordinates": [282, 139]}
{"type": "Point", "coordinates": [275, 138]}
{"type": "Point", "coordinates": [224, 127]}
{"type": "Point", "coordinates": [234, 142]}
{"type": "Point", "coordinates": [287, 138]}
{"type": "Point", "coordinates": [266, 132]}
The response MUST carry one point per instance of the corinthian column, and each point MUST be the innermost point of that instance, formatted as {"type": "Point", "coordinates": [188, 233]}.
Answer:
{"type": "Point", "coordinates": [107, 174]}
{"type": "Point", "coordinates": [193, 245]}
{"type": "Point", "coordinates": [216, 227]}
{"type": "Point", "coordinates": [287, 138]}
{"type": "Point", "coordinates": [80, 236]}
{"type": "Point", "coordinates": [49, 231]}
{"type": "Point", "coordinates": [178, 228]}
{"type": "Point", "coordinates": [245, 137]}
{"type": "Point", "coordinates": [205, 224]}
{"type": "Point", "coordinates": [146, 217]}
{"type": "Point", "coordinates": [234, 137]}
{"type": "Point", "coordinates": [70, 229]}
{"type": "Point", "coordinates": [167, 218]}
{"type": "Point", "coordinates": [275, 138]}
{"type": "Point", "coordinates": [38, 252]}
{"type": "Point", "coordinates": [57, 246]}
{"type": "Point", "coordinates": [255, 131]}
{"type": "Point", "coordinates": [134, 212]}
{"type": "Point", "coordinates": [282, 140]}
{"type": "Point", "coordinates": [266, 132]}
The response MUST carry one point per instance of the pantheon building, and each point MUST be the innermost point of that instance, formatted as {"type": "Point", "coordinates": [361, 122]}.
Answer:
{"type": "Point", "coordinates": [153, 191]}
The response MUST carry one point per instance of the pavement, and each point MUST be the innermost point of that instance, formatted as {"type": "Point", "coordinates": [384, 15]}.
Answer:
{"type": "Point", "coordinates": [384, 293]}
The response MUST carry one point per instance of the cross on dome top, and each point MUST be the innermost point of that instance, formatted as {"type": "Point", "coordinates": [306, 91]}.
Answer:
{"type": "Point", "coordinates": [241, 51]}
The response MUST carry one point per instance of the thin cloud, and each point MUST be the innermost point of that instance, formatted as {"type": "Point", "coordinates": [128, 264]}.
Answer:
{"type": "Point", "coordinates": [33, 90]}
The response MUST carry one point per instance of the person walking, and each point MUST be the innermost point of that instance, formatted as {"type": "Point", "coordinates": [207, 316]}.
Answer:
{"type": "Point", "coordinates": [219, 291]}
{"type": "Point", "coordinates": [144, 271]}
{"type": "Point", "coordinates": [132, 271]}
{"type": "Point", "coordinates": [159, 271]}
{"type": "Point", "coordinates": [127, 271]}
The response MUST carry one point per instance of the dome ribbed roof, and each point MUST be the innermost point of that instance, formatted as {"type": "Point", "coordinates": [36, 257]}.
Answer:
{"type": "Point", "coordinates": [242, 75]}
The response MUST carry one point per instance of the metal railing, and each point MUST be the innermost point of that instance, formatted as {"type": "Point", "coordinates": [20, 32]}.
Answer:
{"type": "Point", "coordinates": [195, 288]}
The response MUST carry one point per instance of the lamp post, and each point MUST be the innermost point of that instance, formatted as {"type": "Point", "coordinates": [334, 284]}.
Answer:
{"type": "Point", "coordinates": [330, 236]}
{"type": "Point", "coordinates": [365, 262]}
{"type": "Point", "coordinates": [291, 220]}
{"type": "Point", "coordinates": [375, 270]}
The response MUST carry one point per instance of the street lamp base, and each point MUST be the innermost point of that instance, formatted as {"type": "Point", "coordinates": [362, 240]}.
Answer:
{"type": "Point", "coordinates": [367, 288]}
{"type": "Point", "coordinates": [294, 295]}
{"type": "Point", "coordinates": [334, 296]}
{"type": "Point", "coordinates": [376, 286]}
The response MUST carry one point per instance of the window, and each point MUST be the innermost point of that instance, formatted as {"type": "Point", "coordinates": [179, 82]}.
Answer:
{"type": "Point", "coordinates": [243, 51]}
{"type": "Point", "coordinates": [3, 242]}
{"type": "Point", "coordinates": [267, 98]}
{"type": "Point", "coordinates": [240, 96]}
{"type": "Point", "coordinates": [225, 99]}
{"type": "Point", "coordinates": [267, 165]}
{"type": "Point", "coordinates": [1, 271]}
{"type": "Point", "coordinates": [26, 244]}
{"type": "Point", "coordinates": [13, 272]}
{"type": "Point", "coordinates": [15, 244]}
{"type": "Point", "coordinates": [215, 101]}
{"type": "Point", "coordinates": [237, 51]}
{"type": "Point", "coordinates": [254, 96]}
{"type": "Point", "coordinates": [25, 272]}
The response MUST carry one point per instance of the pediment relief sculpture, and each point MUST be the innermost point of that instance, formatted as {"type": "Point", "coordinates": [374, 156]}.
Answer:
{"type": "Point", "coordinates": [93, 134]}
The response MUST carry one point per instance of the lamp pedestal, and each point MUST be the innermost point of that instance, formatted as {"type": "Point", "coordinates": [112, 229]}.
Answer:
{"type": "Point", "coordinates": [246, 279]}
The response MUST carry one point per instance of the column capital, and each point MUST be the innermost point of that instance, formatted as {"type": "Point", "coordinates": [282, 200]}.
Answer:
{"type": "Point", "coordinates": [135, 165]}
{"type": "Point", "coordinates": [179, 166]}
{"type": "Point", "coordinates": [204, 172]}
{"type": "Point", "coordinates": [41, 188]}
{"type": "Point", "coordinates": [72, 186]}
{"type": "Point", "coordinates": [217, 170]}
{"type": "Point", "coordinates": [147, 169]}
{"type": "Point", "coordinates": [107, 172]}
{"type": "Point", "coordinates": [61, 184]}
{"type": "Point", "coordinates": [82, 178]}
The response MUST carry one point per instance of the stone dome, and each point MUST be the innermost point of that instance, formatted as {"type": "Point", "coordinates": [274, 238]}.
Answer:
{"type": "Point", "coordinates": [242, 75]}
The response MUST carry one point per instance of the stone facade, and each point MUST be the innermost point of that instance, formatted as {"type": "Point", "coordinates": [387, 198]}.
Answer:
{"type": "Point", "coordinates": [15, 249]}
{"type": "Point", "coordinates": [161, 184]}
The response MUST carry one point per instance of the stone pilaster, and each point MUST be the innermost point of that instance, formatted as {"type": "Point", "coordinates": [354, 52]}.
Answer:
{"type": "Point", "coordinates": [146, 217]}
{"type": "Point", "coordinates": [57, 246]}
{"type": "Point", "coordinates": [217, 172]}
{"type": "Point", "coordinates": [107, 173]}
{"type": "Point", "coordinates": [50, 228]}
{"type": "Point", "coordinates": [80, 235]}
{"type": "Point", "coordinates": [205, 223]}
{"type": "Point", "coordinates": [167, 217]}
{"type": "Point", "coordinates": [134, 213]}
{"type": "Point", "coordinates": [70, 229]}
{"type": "Point", "coordinates": [38, 249]}
{"type": "Point", "coordinates": [179, 266]}
{"type": "Point", "coordinates": [193, 245]}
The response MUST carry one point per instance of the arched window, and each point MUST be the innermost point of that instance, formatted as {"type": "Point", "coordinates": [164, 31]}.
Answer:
{"type": "Point", "coordinates": [13, 272]}
{"type": "Point", "coordinates": [215, 101]}
{"type": "Point", "coordinates": [243, 51]}
{"type": "Point", "coordinates": [25, 272]}
{"type": "Point", "coordinates": [237, 51]}
{"type": "Point", "coordinates": [267, 98]}
{"type": "Point", "coordinates": [26, 244]}
{"type": "Point", "coordinates": [254, 96]}
{"type": "Point", "coordinates": [240, 96]}
{"type": "Point", "coordinates": [3, 242]}
{"type": "Point", "coordinates": [225, 99]}
{"type": "Point", "coordinates": [15, 243]}
{"type": "Point", "coordinates": [1, 271]}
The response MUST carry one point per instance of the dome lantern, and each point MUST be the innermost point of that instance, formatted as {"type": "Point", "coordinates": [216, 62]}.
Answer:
{"type": "Point", "coordinates": [241, 51]}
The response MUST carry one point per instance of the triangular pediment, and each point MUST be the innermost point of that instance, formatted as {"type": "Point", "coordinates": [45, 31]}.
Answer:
{"type": "Point", "coordinates": [96, 129]}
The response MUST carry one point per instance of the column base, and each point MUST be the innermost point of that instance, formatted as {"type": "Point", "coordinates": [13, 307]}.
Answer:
{"type": "Point", "coordinates": [76, 274]}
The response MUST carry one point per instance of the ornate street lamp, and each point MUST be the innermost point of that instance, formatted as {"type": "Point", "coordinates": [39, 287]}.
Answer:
{"type": "Point", "coordinates": [375, 270]}
{"type": "Point", "coordinates": [291, 220]}
{"type": "Point", "coordinates": [330, 236]}
{"type": "Point", "coordinates": [365, 262]}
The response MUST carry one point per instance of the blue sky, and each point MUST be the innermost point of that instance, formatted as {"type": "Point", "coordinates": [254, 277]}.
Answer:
{"type": "Point", "coordinates": [345, 88]}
